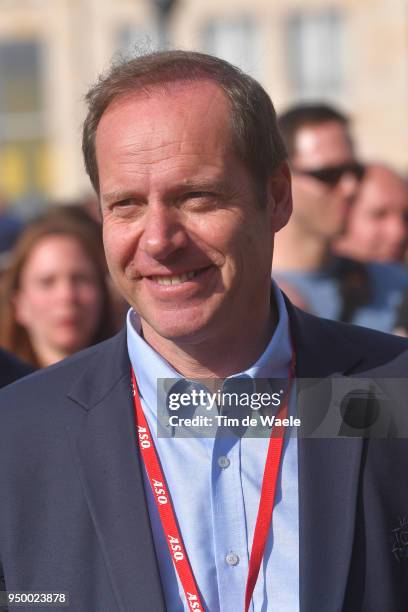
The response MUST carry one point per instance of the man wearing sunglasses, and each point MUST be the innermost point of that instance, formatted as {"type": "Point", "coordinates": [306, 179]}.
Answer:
{"type": "Point", "coordinates": [326, 177]}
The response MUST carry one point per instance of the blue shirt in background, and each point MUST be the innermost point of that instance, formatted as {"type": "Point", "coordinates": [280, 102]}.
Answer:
{"type": "Point", "coordinates": [320, 290]}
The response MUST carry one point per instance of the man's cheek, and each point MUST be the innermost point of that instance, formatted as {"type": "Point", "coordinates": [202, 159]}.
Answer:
{"type": "Point", "coordinates": [114, 265]}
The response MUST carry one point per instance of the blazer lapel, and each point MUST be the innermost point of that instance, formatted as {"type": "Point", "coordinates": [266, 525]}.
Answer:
{"type": "Point", "coordinates": [328, 475]}
{"type": "Point", "coordinates": [104, 447]}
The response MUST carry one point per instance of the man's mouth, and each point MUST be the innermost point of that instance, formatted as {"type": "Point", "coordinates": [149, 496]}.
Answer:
{"type": "Point", "coordinates": [176, 279]}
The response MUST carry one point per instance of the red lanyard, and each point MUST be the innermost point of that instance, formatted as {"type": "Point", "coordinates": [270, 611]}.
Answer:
{"type": "Point", "coordinates": [167, 515]}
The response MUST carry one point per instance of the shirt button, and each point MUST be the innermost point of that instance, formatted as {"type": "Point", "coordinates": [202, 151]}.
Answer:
{"type": "Point", "coordinates": [232, 559]}
{"type": "Point", "coordinates": [223, 462]}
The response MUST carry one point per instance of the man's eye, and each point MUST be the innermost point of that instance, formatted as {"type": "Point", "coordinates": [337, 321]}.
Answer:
{"type": "Point", "coordinates": [196, 195]}
{"type": "Point", "coordinates": [126, 206]}
{"type": "Point", "coordinates": [201, 198]}
{"type": "Point", "coordinates": [124, 203]}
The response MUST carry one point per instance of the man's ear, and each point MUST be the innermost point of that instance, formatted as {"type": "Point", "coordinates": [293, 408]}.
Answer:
{"type": "Point", "coordinates": [280, 196]}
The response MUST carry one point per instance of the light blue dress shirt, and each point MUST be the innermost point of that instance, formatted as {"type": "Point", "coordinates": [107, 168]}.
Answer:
{"type": "Point", "coordinates": [215, 486]}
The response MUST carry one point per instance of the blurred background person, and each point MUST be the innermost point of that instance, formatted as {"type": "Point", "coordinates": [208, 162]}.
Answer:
{"type": "Point", "coordinates": [377, 223]}
{"type": "Point", "coordinates": [326, 177]}
{"type": "Point", "coordinates": [55, 300]}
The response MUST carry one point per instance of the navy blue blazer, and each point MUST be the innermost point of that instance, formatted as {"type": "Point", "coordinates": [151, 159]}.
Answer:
{"type": "Point", "coordinates": [73, 513]}
{"type": "Point", "coordinates": [11, 368]}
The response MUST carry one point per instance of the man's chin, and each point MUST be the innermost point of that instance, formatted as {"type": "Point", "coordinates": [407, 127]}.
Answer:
{"type": "Point", "coordinates": [181, 331]}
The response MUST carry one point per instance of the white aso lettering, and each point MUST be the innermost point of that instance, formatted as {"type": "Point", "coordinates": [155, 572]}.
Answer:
{"type": "Point", "coordinates": [176, 548]}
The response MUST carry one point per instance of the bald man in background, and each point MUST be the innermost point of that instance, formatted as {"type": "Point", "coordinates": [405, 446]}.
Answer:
{"type": "Point", "coordinates": [377, 223]}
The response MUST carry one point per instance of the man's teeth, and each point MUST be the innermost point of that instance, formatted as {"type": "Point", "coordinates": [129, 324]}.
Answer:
{"type": "Point", "coordinates": [174, 280]}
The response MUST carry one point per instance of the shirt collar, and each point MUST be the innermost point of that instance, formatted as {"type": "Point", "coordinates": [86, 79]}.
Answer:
{"type": "Point", "coordinates": [149, 366]}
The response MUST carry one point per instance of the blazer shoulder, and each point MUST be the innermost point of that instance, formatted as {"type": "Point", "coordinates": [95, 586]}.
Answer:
{"type": "Point", "coordinates": [369, 337]}
{"type": "Point", "coordinates": [376, 350]}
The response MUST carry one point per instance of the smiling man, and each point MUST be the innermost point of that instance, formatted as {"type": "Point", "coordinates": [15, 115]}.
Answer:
{"type": "Point", "coordinates": [187, 237]}
{"type": "Point", "coordinates": [184, 152]}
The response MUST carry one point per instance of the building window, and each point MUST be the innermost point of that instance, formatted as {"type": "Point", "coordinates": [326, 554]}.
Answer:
{"type": "Point", "coordinates": [315, 54]}
{"type": "Point", "coordinates": [23, 148]}
{"type": "Point", "coordinates": [235, 40]}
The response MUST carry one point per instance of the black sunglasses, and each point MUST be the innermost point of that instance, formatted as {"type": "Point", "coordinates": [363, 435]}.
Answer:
{"type": "Point", "coordinates": [330, 175]}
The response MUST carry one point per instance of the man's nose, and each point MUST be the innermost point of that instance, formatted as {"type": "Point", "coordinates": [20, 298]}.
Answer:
{"type": "Point", "coordinates": [349, 185]}
{"type": "Point", "coordinates": [163, 231]}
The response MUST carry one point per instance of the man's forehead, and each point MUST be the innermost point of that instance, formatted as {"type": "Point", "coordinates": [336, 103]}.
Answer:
{"type": "Point", "coordinates": [322, 144]}
{"type": "Point", "coordinates": [182, 97]}
{"type": "Point", "coordinates": [183, 112]}
{"type": "Point", "coordinates": [164, 132]}
{"type": "Point", "coordinates": [383, 185]}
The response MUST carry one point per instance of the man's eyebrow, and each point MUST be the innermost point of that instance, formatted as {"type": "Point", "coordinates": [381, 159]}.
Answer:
{"type": "Point", "coordinates": [188, 184]}
{"type": "Point", "coordinates": [117, 196]}
{"type": "Point", "coordinates": [203, 184]}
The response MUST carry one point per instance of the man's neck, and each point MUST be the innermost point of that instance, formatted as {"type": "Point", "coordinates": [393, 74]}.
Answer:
{"type": "Point", "coordinates": [217, 357]}
{"type": "Point", "coordinates": [296, 250]}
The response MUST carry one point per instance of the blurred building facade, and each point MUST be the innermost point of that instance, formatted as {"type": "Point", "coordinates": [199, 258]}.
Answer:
{"type": "Point", "coordinates": [354, 54]}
